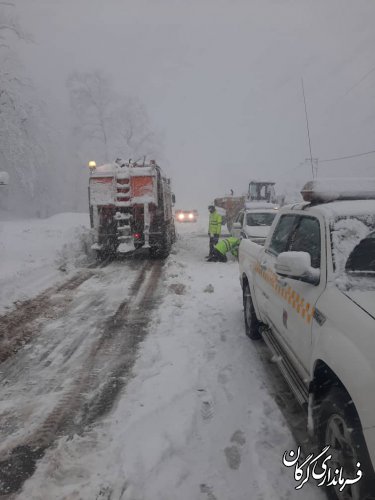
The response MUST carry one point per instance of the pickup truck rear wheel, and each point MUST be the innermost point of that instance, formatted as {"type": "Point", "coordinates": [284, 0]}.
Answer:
{"type": "Point", "coordinates": [340, 428]}
{"type": "Point", "coordinates": [251, 322]}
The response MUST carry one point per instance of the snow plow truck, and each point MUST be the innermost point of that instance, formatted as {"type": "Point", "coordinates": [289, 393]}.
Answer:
{"type": "Point", "coordinates": [130, 208]}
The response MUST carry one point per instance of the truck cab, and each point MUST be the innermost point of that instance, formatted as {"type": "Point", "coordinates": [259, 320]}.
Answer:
{"type": "Point", "coordinates": [261, 191]}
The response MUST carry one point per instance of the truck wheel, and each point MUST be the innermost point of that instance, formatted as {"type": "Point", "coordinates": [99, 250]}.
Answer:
{"type": "Point", "coordinates": [153, 251]}
{"type": "Point", "coordinates": [251, 322]}
{"type": "Point", "coordinates": [340, 428]}
{"type": "Point", "coordinates": [173, 234]}
{"type": "Point", "coordinates": [162, 250]}
{"type": "Point", "coordinates": [165, 245]}
{"type": "Point", "coordinates": [101, 255]}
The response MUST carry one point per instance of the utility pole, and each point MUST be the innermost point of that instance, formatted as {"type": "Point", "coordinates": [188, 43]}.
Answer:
{"type": "Point", "coordinates": [314, 169]}
{"type": "Point", "coordinates": [314, 162]}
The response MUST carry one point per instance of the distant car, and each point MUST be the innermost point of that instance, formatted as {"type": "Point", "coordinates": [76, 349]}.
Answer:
{"type": "Point", "coordinates": [254, 224]}
{"type": "Point", "coordinates": [4, 178]}
{"type": "Point", "coordinates": [186, 215]}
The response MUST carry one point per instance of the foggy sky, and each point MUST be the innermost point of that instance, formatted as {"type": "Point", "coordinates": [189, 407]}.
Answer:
{"type": "Point", "coordinates": [221, 79]}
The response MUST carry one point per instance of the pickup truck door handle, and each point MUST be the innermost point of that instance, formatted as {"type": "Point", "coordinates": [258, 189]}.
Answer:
{"type": "Point", "coordinates": [281, 282]}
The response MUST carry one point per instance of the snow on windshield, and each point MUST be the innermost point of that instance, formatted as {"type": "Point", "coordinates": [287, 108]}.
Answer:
{"type": "Point", "coordinates": [346, 234]}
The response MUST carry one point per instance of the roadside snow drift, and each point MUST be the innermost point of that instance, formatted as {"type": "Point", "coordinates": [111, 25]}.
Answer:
{"type": "Point", "coordinates": [36, 253]}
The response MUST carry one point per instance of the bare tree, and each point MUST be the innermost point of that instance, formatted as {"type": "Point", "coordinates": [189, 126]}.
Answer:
{"type": "Point", "coordinates": [133, 135]}
{"type": "Point", "coordinates": [23, 131]}
{"type": "Point", "coordinates": [106, 123]}
{"type": "Point", "coordinates": [9, 25]}
{"type": "Point", "coordinates": [91, 99]}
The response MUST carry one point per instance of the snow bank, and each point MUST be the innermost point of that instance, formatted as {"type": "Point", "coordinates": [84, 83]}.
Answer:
{"type": "Point", "coordinates": [35, 253]}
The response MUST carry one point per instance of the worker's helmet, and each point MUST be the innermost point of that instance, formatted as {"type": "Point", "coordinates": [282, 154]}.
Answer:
{"type": "Point", "coordinates": [211, 208]}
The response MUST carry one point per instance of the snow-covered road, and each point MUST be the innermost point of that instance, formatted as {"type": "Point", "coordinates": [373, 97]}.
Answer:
{"type": "Point", "coordinates": [195, 422]}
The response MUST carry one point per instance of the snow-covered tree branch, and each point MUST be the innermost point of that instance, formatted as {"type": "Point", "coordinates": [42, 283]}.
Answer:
{"type": "Point", "coordinates": [108, 125]}
{"type": "Point", "coordinates": [23, 128]}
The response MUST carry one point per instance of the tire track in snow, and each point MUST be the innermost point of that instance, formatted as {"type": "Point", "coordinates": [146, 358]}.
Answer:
{"type": "Point", "coordinates": [18, 327]}
{"type": "Point", "coordinates": [96, 387]}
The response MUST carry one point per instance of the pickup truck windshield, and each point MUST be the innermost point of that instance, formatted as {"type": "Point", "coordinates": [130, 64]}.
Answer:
{"type": "Point", "coordinates": [298, 233]}
{"type": "Point", "coordinates": [353, 245]}
{"type": "Point", "coordinates": [260, 219]}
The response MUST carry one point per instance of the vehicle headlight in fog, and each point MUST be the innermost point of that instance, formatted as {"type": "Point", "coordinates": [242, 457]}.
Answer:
{"type": "Point", "coordinates": [181, 216]}
{"type": "Point", "coordinates": [191, 216]}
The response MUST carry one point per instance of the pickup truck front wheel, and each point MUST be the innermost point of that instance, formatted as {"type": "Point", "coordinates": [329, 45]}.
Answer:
{"type": "Point", "coordinates": [251, 322]}
{"type": "Point", "coordinates": [339, 427]}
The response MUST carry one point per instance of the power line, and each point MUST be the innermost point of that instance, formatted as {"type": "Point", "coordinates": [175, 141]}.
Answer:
{"type": "Point", "coordinates": [340, 98]}
{"type": "Point", "coordinates": [348, 157]}
{"type": "Point", "coordinates": [359, 82]}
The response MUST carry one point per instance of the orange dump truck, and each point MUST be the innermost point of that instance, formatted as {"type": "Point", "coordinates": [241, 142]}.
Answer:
{"type": "Point", "coordinates": [130, 208]}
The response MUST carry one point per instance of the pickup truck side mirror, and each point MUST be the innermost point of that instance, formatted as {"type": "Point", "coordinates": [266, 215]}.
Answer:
{"type": "Point", "coordinates": [173, 199]}
{"type": "Point", "coordinates": [297, 265]}
{"type": "Point", "coordinates": [237, 225]}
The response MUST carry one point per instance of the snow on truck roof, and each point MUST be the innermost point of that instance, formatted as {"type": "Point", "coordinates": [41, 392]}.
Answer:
{"type": "Point", "coordinates": [262, 210]}
{"type": "Point", "coordinates": [347, 208]}
{"type": "Point", "coordinates": [257, 205]}
{"type": "Point", "coordinates": [109, 169]}
{"type": "Point", "coordinates": [328, 190]}
{"type": "Point", "coordinates": [261, 181]}
{"type": "Point", "coordinates": [333, 209]}
{"type": "Point", "coordinates": [348, 197]}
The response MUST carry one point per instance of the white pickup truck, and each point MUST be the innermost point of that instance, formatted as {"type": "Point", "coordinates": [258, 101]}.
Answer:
{"type": "Point", "coordinates": [310, 293]}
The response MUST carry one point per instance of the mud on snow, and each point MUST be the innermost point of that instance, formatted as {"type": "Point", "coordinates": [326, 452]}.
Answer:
{"type": "Point", "coordinates": [66, 355]}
